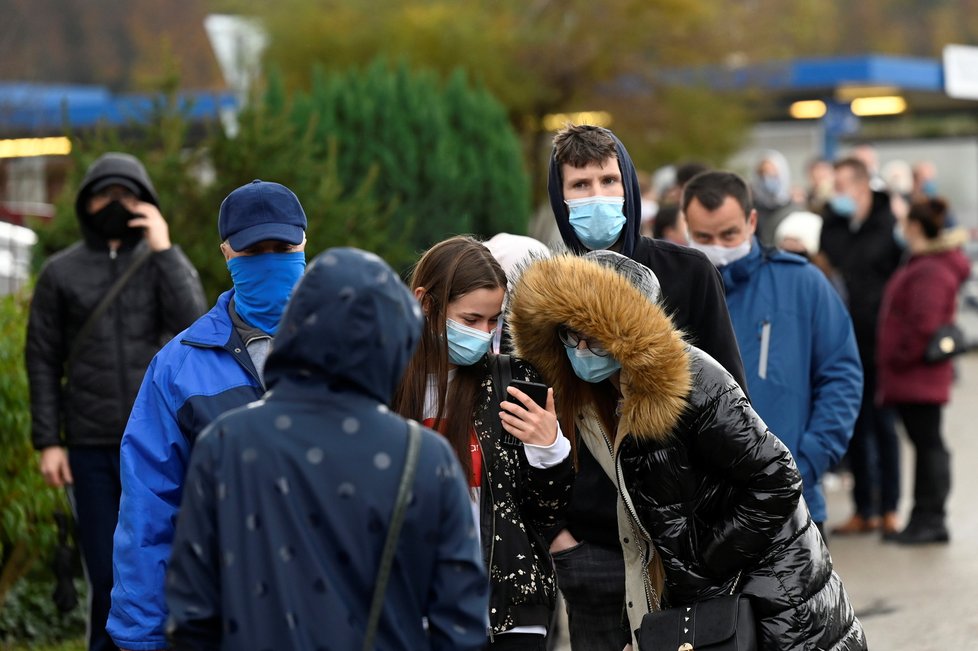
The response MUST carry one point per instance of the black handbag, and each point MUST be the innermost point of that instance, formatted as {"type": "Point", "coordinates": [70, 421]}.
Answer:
{"type": "Point", "coordinates": [721, 624]}
{"type": "Point", "coordinates": [947, 342]}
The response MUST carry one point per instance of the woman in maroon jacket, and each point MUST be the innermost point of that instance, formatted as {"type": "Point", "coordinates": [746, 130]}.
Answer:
{"type": "Point", "coordinates": [920, 298]}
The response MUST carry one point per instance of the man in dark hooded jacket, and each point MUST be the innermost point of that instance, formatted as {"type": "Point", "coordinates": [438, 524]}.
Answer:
{"type": "Point", "coordinates": [102, 364]}
{"type": "Point", "coordinates": [289, 499]}
{"type": "Point", "coordinates": [596, 200]}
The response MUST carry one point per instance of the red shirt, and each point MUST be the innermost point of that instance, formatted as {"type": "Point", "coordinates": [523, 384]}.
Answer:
{"type": "Point", "coordinates": [475, 480]}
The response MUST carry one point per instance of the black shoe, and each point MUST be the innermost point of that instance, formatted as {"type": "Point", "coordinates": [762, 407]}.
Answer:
{"type": "Point", "coordinates": [920, 535]}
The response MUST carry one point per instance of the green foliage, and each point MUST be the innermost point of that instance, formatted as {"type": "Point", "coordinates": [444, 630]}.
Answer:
{"type": "Point", "coordinates": [272, 146]}
{"type": "Point", "coordinates": [443, 154]}
{"type": "Point", "coordinates": [29, 618]}
{"type": "Point", "coordinates": [384, 159]}
{"type": "Point", "coordinates": [27, 530]}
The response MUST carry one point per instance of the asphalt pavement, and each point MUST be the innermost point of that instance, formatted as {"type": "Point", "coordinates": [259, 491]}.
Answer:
{"type": "Point", "coordinates": [921, 598]}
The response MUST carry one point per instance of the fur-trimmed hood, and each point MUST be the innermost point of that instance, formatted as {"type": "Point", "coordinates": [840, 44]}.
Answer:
{"type": "Point", "coordinates": [596, 300]}
{"type": "Point", "coordinates": [948, 240]}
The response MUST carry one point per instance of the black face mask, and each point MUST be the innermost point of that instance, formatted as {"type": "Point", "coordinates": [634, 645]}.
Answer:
{"type": "Point", "coordinates": [112, 222]}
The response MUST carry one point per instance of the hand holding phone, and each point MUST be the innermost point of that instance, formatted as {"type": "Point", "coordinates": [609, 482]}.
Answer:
{"type": "Point", "coordinates": [529, 415]}
{"type": "Point", "coordinates": [535, 390]}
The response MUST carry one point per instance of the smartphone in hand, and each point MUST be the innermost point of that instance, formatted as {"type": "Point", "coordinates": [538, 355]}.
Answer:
{"type": "Point", "coordinates": [535, 390]}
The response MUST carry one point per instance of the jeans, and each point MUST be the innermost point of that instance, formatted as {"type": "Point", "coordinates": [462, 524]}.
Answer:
{"type": "Point", "coordinates": [592, 580]}
{"type": "Point", "coordinates": [932, 469]}
{"type": "Point", "coordinates": [874, 455]}
{"type": "Point", "coordinates": [96, 493]}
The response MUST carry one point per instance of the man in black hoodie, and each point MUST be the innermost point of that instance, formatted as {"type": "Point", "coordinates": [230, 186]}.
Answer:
{"type": "Point", "coordinates": [595, 197]}
{"type": "Point", "coordinates": [84, 376]}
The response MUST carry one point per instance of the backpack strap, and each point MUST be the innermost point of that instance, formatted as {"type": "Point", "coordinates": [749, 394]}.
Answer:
{"type": "Point", "coordinates": [104, 304]}
{"type": "Point", "coordinates": [502, 375]}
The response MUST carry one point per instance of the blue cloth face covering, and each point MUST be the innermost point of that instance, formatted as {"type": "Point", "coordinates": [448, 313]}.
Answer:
{"type": "Point", "coordinates": [590, 367]}
{"type": "Point", "coordinates": [466, 345]}
{"type": "Point", "coordinates": [843, 205]}
{"type": "Point", "coordinates": [263, 284]}
{"type": "Point", "coordinates": [597, 221]}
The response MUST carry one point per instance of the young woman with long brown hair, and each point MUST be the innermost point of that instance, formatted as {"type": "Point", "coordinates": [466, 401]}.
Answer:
{"type": "Point", "coordinates": [513, 452]}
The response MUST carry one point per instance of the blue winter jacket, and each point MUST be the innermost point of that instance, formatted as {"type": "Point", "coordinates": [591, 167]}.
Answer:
{"type": "Point", "coordinates": [288, 500]}
{"type": "Point", "coordinates": [200, 374]}
{"type": "Point", "coordinates": [800, 356]}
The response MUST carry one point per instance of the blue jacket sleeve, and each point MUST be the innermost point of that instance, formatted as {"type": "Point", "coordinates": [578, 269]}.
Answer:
{"type": "Point", "coordinates": [153, 461]}
{"type": "Point", "coordinates": [193, 587]}
{"type": "Point", "coordinates": [837, 384]}
{"type": "Point", "coordinates": [458, 604]}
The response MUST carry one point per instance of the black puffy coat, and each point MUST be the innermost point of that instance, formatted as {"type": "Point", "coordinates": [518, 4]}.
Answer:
{"type": "Point", "coordinates": [706, 492]}
{"type": "Point", "coordinates": [162, 298]}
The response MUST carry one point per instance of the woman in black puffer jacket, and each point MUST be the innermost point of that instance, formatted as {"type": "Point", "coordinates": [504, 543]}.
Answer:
{"type": "Point", "coordinates": [709, 499]}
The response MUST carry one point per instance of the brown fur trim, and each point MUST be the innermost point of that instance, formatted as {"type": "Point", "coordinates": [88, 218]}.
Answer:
{"type": "Point", "coordinates": [597, 301]}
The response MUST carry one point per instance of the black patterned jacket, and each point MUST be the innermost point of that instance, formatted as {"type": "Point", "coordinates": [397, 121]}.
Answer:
{"type": "Point", "coordinates": [519, 505]}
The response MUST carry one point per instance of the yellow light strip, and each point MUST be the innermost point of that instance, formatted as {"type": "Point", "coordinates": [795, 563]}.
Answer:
{"type": "Point", "coordinates": [557, 121]}
{"type": "Point", "coordinates": [887, 105]}
{"type": "Point", "coordinates": [27, 147]}
{"type": "Point", "coordinates": [808, 109]}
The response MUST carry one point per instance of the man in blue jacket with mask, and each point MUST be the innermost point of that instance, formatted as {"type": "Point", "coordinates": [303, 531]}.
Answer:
{"type": "Point", "coordinates": [213, 366]}
{"type": "Point", "coordinates": [796, 338]}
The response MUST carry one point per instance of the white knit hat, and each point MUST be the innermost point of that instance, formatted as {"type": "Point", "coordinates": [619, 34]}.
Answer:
{"type": "Point", "coordinates": [806, 227]}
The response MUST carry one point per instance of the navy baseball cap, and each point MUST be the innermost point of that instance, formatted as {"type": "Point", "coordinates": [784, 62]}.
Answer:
{"type": "Point", "coordinates": [258, 211]}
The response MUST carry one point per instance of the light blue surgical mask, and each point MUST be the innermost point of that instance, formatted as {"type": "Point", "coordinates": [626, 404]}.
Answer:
{"type": "Point", "coordinates": [843, 205]}
{"type": "Point", "coordinates": [597, 221]}
{"type": "Point", "coordinates": [772, 184]}
{"type": "Point", "coordinates": [590, 367]}
{"type": "Point", "coordinates": [899, 237]}
{"type": "Point", "coordinates": [263, 284]}
{"type": "Point", "coordinates": [466, 345]}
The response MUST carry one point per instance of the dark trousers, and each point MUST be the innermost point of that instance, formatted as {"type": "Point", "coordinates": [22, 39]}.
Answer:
{"type": "Point", "coordinates": [874, 455]}
{"type": "Point", "coordinates": [592, 580]}
{"type": "Point", "coordinates": [932, 469]}
{"type": "Point", "coordinates": [518, 642]}
{"type": "Point", "coordinates": [96, 495]}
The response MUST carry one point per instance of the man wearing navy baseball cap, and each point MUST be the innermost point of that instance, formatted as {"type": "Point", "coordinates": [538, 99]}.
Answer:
{"type": "Point", "coordinates": [213, 366]}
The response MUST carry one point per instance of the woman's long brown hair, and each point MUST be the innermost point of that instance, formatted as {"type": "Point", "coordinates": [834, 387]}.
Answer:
{"type": "Point", "coordinates": [447, 271]}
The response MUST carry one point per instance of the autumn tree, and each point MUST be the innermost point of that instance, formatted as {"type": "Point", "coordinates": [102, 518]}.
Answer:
{"type": "Point", "coordinates": [538, 58]}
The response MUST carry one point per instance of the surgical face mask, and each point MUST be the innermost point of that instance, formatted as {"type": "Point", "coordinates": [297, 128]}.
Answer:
{"type": "Point", "coordinates": [843, 205]}
{"type": "Point", "coordinates": [597, 221]}
{"type": "Point", "coordinates": [771, 184]}
{"type": "Point", "coordinates": [899, 237]}
{"type": "Point", "coordinates": [112, 221]}
{"type": "Point", "coordinates": [721, 256]}
{"type": "Point", "coordinates": [929, 188]}
{"type": "Point", "coordinates": [590, 367]}
{"type": "Point", "coordinates": [466, 345]}
{"type": "Point", "coordinates": [263, 284]}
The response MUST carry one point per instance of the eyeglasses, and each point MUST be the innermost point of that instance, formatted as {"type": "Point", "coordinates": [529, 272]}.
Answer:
{"type": "Point", "coordinates": [572, 339]}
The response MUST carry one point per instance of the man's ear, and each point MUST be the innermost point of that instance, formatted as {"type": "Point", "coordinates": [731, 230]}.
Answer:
{"type": "Point", "coordinates": [226, 250]}
{"type": "Point", "coordinates": [752, 221]}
